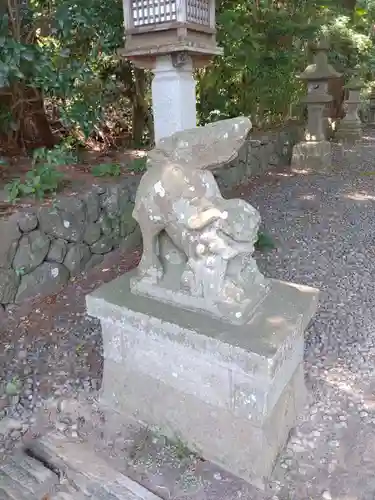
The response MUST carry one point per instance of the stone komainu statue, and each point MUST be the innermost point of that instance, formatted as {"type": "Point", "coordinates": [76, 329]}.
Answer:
{"type": "Point", "coordinates": [197, 246]}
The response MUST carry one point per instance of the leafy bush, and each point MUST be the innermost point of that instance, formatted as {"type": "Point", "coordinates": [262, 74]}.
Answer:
{"type": "Point", "coordinates": [40, 180]}
{"type": "Point", "coordinates": [59, 155]}
{"type": "Point", "coordinates": [138, 165]}
{"type": "Point", "coordinates": [104, 169]}
{"type": "Point", "coordinates": [43, 178]}
{"type": "Point", "coordinates": [61, 55]}
{"type": "Point", "coordinates": [264, 242]}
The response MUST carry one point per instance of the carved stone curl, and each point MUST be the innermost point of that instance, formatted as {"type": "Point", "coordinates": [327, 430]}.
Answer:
{"type": "Point", "coordinates": [197, 246]}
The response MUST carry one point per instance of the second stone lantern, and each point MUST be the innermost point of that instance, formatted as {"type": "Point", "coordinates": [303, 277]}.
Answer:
{"type": "Point", "coordinates": [315, 151]}
{"type": "Point", "coordinates": [171, 38]}
{"type": "Point", "coordinates": [318, 75]}
{"type": "Point", "coordinates": [350, 127]}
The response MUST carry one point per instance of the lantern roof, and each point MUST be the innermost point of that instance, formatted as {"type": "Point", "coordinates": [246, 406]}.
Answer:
{"type": "Point", "coordinates": [355, 83]}
{"type": "Point", "coordinates": [320, 69]}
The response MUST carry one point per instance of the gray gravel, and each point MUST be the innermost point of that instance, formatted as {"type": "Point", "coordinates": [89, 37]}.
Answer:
{"type": "Point", "coordinates": [324, 226]}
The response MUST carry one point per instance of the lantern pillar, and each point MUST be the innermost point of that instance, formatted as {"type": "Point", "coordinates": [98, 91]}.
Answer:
{"type": "Point", "coordinates": [171, 38]}
{"type": "Point", "coordinates": [173, 95]}
{"type": "Point", "coordinates": [314, 153]}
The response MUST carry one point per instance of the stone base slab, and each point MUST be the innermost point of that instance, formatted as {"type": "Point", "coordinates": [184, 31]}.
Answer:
{"type": "Point", "coordinates": [230, 392]}
{"type": "Point", "coordinates": [235, 444]}
{"type": "Point", "coordinates": [349, 131]}
{"type": "Point", "coordinates": [312, 155]}
{"type": "Point", "coordinates": [222, 311]}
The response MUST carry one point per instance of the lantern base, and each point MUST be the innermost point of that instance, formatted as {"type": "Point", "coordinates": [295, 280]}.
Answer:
{"type": "Point", "coordinates": [349, 131]}
{"type": "Point", "coordinates": [144, 45]}
{"type": "Point", "coordinates": [312, 155]}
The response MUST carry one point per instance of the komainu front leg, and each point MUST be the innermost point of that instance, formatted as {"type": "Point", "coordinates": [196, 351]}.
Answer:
{"type": "Point", "coordinates": [150, 266]}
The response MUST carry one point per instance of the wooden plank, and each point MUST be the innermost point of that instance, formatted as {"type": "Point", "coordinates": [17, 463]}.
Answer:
{"type": "Point", "coordinates": [22, 477]}
{"type": "Point", "coordinates": [29, 474]}
{"type": "Point", "coordinates": [64, 495]}
{"type": "Point", "coordinates": [88, 471]}
{"type": "Point", "coordinates": [10, 490]}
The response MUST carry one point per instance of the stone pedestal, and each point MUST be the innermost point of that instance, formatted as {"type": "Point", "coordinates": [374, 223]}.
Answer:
{"type": "Point", "coordinates": [173, 95]}
{"type": "Point", "coordinates": [315, 152]}
{"type": "Point", "coordinates": [312, 155]}
{"type": "Point", "coordinates": [230, 392]}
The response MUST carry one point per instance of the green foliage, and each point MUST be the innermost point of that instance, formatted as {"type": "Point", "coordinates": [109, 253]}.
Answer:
{"type": "Point", "coordinates": [13, 387]}
{"type": "Point", "coordinates": [264, 49]}
{"type": "Point", "coordinates": [59, 155]}
{"type": "Point", "coordinates": [66, 51]}
{"type": "Point", "coordinates": [20, 271]}
{"type": "Point", "coordinates": [138, 165]}
{"type": "Point", "coordinates": [44, 177]}
{"type": "Point", "coordinates": [267, 44]}
{"type": "Point", "coordinates": [104, 169]}
{"type": "Point", "coordinates": [264, 242]}
{"type": "Point", "coordinates": [39, 181]}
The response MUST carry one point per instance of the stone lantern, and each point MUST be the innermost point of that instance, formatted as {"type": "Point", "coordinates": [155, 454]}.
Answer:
{"type": "Point", "coordinates": [317, 76]}
{"type": "Point", "coordinates": [171, 38]}
{"type": "Point", "coordinates": [315, 151]}
{"type": "Point", "coordinates": [350, 127]}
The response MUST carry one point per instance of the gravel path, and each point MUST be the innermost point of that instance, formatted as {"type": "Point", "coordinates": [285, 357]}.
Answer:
{"type": "Point", "coordinates": [325, 231]}
{"type": "Point", "coordinates": [324, 226]}
{"type": "Point", "coordinates": [50, 348]}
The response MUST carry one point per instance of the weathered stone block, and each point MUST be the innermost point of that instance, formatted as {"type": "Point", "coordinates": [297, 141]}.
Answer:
{"type": "Point", "coordinates": [105, 223]}
{"type": "Point", "coordinates": [92, 203]}
{"type": "Point", "coordinates": [103, 245]}
{"type": "Point", "coordinates": [46, 279]}
{"type": "Point", "coordinates": [234, 443]}
{"type": "Point", "coordinates": [28, 221]}
{"type": "Point", "coordinates": [127, 223]}
{"type": "Point", "coordinates": [9, 281]}
{"type": "Point", "coordinates": [110, 201]}
{"type": "Point", "coordinates": [312, 155]}
{"type": "Point", "coordinates": [231, 392]}
{"type": "Point", "coordinates": [10, 235]}
{"type": "Point", "coordinates": [92, 233]}
{"type": "Point", "coordinates": [32, 250]}
{"type": "Point", "coordinates": [57, 251]}
{"type": "Point", "coordinates": [65, 220]}
{"type": "Point", "coordinates": [77, 257]}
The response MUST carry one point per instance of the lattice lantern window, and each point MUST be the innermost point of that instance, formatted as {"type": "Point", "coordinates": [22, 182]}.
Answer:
{"type": "Point", "coordinates": [157, 27]}
{"type": "Point", "coordinates": [139, 13]}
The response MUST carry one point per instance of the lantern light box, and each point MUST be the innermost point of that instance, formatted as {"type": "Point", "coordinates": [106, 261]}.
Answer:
{"type": "Point", "coordinates": [157, 27]}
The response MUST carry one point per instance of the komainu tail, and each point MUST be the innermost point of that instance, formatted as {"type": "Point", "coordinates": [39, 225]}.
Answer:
{"type": "Point", "coordinates": [203, 147]}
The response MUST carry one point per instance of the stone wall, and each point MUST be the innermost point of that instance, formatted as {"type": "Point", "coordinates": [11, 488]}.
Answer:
{"type": "Point", "coordinates": [42, 248]}
{"type": "Point", "coordinates": [261, 153]}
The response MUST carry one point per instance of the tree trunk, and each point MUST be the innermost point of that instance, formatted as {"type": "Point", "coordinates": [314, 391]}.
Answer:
{"type": "Point", "coordinates": [141, 114]}
{"type": "Point", "coordinates": [25, 104]}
